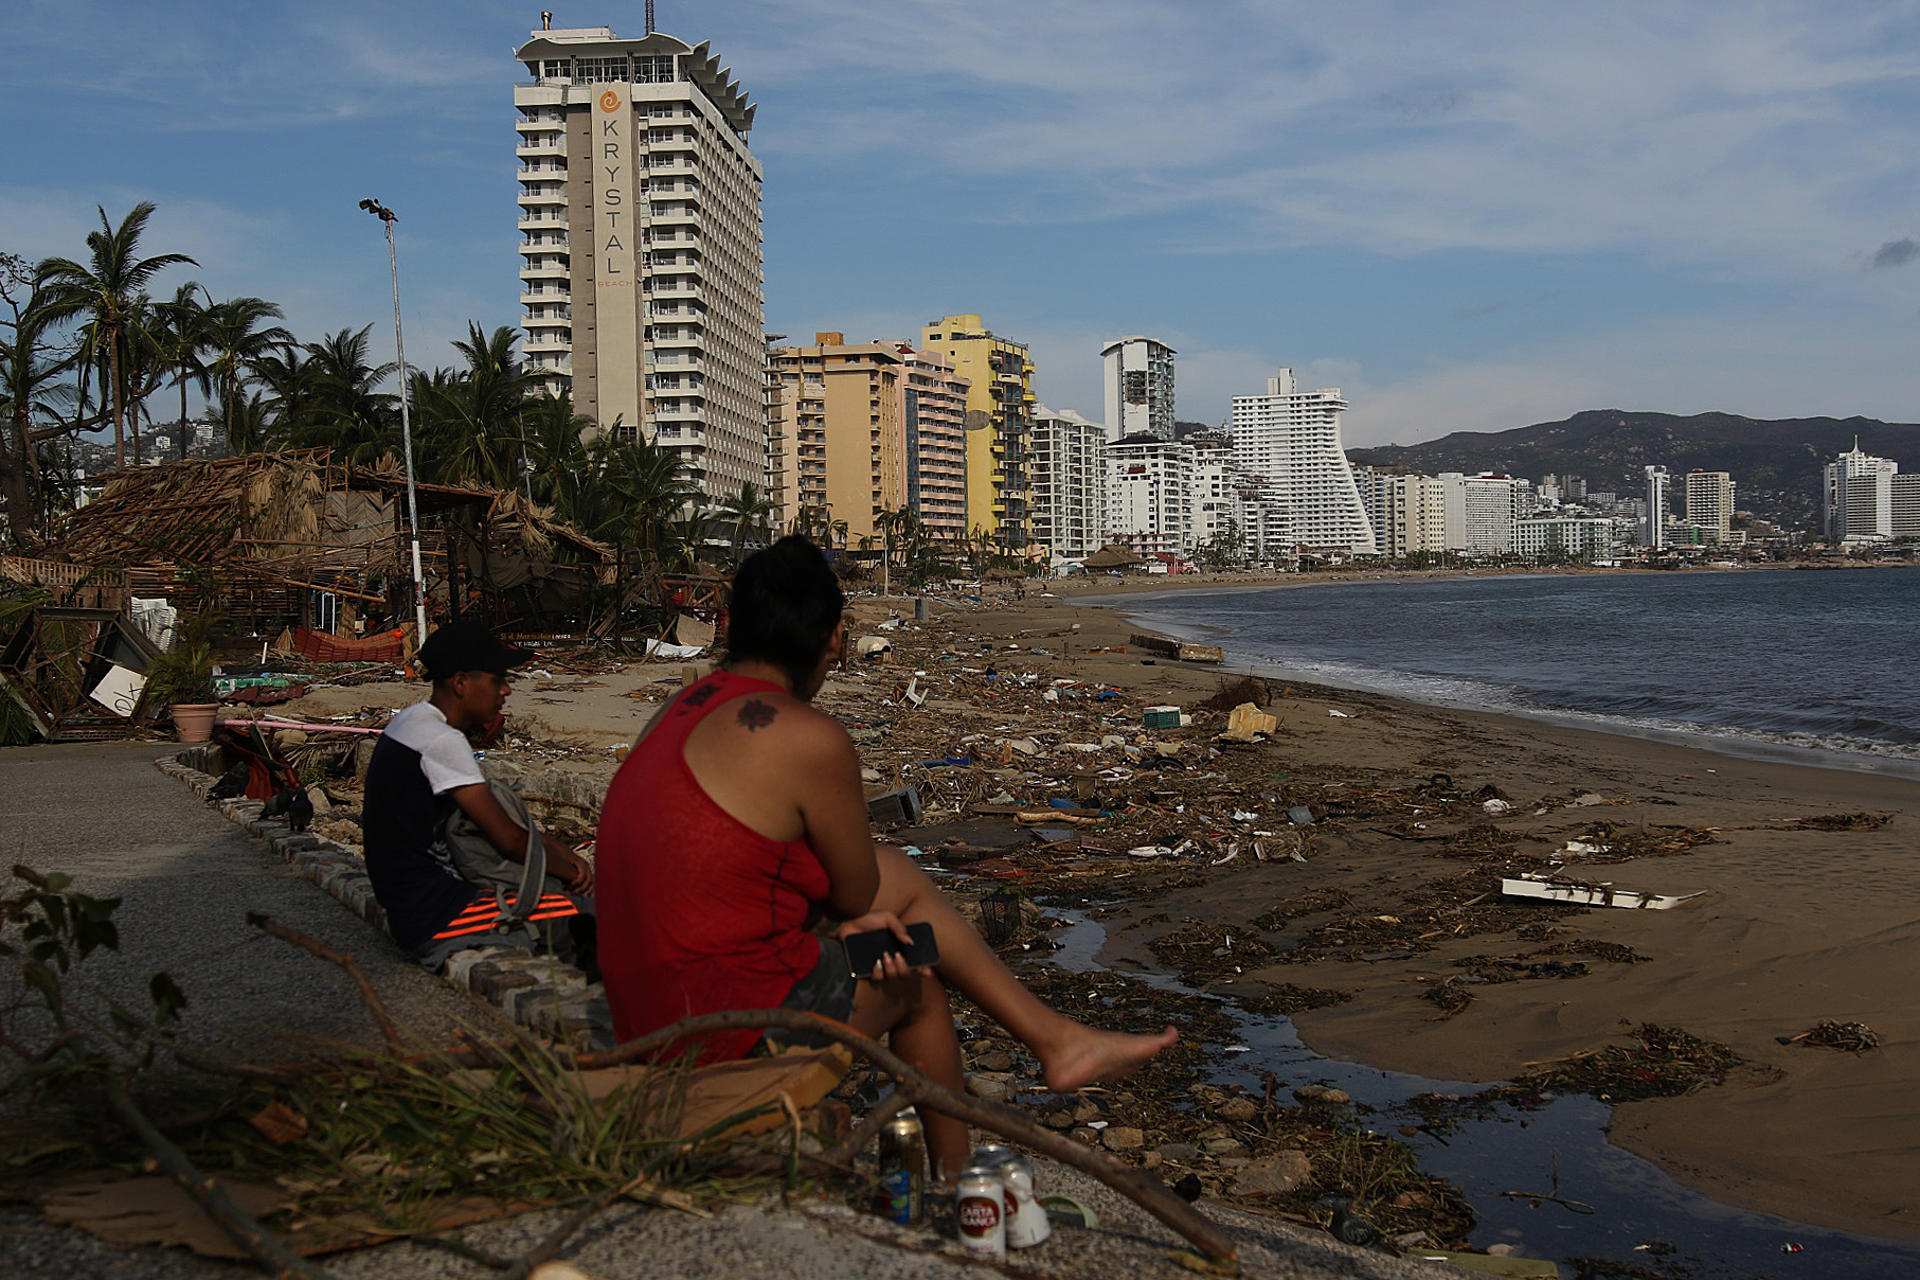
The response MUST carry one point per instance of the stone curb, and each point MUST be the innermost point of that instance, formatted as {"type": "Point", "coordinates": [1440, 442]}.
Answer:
{"type": "Point", "coordinates": [538, 993]}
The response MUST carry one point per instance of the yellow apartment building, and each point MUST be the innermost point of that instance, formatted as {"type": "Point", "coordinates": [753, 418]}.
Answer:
{"type": "Point", "coordinates": [1000, 404]}
{"type": "Point", "coordinates": [837, 446]}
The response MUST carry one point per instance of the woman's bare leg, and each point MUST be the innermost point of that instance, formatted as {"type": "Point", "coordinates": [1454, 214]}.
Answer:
{"type": "Point", "coordinates": [915, 1017]}
{"type": "Point", "coordinates": [1071, 1054]}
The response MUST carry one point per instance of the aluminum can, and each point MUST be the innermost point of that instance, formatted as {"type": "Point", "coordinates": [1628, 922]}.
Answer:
{"type": "Point", "coordinates": [992, 1155]}
{"type": "Point", "coordinates": [1027, 1223]}
{"type": "Point", "coordinates": [980, 1211]}
{"type": "Point", "coordinates": [902, 1193]}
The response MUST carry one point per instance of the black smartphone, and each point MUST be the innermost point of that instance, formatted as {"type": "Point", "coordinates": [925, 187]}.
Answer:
{"type": "Point", "coordinates": [865, 949]}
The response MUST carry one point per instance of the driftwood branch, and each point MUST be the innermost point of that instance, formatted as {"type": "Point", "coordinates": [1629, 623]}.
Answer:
{"type": "Point", "coordinates": [1147, 1192]}
{"type": "Point", "coordinates": [267, 924]}
{"type": "Point", "coordinates": [259, 1243]}
{"type": "Point", "coordinates": [869, 1129]}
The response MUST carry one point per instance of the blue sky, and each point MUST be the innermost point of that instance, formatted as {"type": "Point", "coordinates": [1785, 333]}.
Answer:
{"type": "Point", "coordinates": [1467, 216]}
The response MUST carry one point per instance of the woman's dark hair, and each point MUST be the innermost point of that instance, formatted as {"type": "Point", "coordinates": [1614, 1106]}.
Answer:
{"type": "Point", "coordinates": [786, 603]}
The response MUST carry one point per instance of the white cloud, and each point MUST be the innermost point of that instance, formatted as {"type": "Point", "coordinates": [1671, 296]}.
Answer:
{"type": "Point", "coordinates": [1775, 138]}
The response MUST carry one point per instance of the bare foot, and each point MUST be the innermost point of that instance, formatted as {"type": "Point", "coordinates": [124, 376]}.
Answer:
{"type": "Point", "coordinates": [1088, 1054]}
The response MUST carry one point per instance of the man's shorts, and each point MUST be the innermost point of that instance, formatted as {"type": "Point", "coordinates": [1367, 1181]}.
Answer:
{"type": "Point", "coordinates": [827, 991]}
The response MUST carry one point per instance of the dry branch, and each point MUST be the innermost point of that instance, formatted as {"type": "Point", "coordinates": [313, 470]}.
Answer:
{"type": "Point", "coordinates": [1143, 1190]}
{"type": "Point", "coordinates": [267, 924]}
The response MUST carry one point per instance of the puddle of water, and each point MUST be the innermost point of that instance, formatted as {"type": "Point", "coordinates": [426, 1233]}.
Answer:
{"type": "Point", "coordinates": [1634, 1202]}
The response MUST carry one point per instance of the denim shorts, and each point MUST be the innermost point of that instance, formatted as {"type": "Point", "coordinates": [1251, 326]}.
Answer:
{"type": "Point", "coordinates": [827, 991]}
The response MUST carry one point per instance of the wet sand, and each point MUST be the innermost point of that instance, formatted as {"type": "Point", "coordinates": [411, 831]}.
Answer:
{"type": "Point", "coordinates": [1796, 926]}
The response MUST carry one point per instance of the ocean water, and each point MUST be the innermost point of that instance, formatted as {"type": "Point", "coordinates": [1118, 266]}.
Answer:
{"type": "Point", "coordinates": [1767, 662]}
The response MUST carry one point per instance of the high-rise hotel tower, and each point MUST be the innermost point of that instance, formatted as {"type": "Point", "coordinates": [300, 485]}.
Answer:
{"type": "Point", "coordinates": [640, 244]}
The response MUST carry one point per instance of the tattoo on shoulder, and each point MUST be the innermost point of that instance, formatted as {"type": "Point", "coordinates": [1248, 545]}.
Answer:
{"type": "Point", "coordinates": [755, 714]}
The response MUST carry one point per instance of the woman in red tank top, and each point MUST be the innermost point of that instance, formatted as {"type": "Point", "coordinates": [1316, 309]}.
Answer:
{"type": "Point", "coordinates": [738, 826]}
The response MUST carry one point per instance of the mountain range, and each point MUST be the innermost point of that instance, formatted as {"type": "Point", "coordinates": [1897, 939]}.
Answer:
{"type": "Point", "coordinates": [1775, 463]}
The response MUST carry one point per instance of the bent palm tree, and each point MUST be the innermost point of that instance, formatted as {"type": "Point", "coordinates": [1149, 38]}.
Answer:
{"type": "Point", "coordinates": [108, 288]}
{"type": "Point", "coordinates": [350, 413]}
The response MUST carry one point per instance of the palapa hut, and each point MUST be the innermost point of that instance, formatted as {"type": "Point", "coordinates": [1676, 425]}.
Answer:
{"type": "Point", "coordinates": [296, 539]}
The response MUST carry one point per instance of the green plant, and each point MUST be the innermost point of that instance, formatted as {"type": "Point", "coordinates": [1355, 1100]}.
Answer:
{"type": "Point", "coordinates": [183, 675]}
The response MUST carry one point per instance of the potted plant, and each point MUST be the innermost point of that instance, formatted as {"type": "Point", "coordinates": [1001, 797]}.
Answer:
{"type": "Point", "coordinates": [181, 679]}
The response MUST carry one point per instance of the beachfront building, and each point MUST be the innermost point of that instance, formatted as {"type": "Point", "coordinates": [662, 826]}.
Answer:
{"type": "Point", "coordinates": [640, 269]}
{"type": "Point", "coordinates": [1710, 504]}
{"type": "Point", "coordinates": [1150, 495]}
{"type": "Point", "coordinates": [1480, 511]}
{"type": "Point", "coordinates": [1653, 529]}
{"type": "Point", "coordinates": [1000, 402]}
{"type": "Point", "coordinates": [1407, 511]}
{"type": "Point", "coordinates": [1138, 375]}
{"type": "Point", "coordinates": [1549, 539]}
{"type": "Point", "coordinates": [1227, 503]}
{"type": "Point", "coordinates": [933, 417]}
{"type": "Point", "coordinates": [1069, 484]}
{"type": "Point", "coordinates": [842, 441]}
{"type": "Point", "coordinates": [1857, 496]}
{"type": "Point", "coordinates": [1292, 438]}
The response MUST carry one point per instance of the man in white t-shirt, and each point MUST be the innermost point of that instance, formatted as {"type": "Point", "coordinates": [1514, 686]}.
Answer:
{"type": "Point", "coordinates": [423, 771]}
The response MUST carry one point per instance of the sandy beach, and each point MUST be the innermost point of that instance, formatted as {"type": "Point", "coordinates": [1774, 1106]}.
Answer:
{"type": "Point", "coordinates": [1806, 912]}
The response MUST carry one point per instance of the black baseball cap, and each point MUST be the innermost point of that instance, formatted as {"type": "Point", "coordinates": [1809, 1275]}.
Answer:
{"type": "Point", "coordinates": [468, 646]}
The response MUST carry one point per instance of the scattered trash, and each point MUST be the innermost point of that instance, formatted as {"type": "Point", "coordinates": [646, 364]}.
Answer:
{"type": "Point", "coordinates": [1161, 718]}
{"type": "Point", "coordinates": [1496, 807]}
{"type": "Point", "coordinates": [1338, 715]}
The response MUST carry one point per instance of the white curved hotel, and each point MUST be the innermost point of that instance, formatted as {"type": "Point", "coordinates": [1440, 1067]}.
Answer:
{"type": "Point", "coordinates": [1292, 437]}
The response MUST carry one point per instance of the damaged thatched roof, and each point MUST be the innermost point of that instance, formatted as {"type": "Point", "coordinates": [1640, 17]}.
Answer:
{"type": "Point", "coordinates": [285, 507]}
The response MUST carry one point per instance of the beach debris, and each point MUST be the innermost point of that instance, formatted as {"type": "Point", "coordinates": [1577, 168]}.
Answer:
{"type": "Point", "coordinates": [1854, 1037]}
{"type": "Point", "coordinates": [1604, 894]}
{"type": "Point", "coordinates": [1338, 714]}
{"type": "Point", "coordinates": [1587, 799]}
{"type": "Point", "coordinates": [1300, 815]}
{"type": "Point", "coordinates": [1496, 807]}
{"type": "Point", "coordinates": [1665, 1062]}
{"type": "Point", "coordinates": [1843, 822]}
{"type": "Point", "coordinates": [872, 648]}
{"type": "Point", "coordinates": [1163, 717]}
{"type": "Point", "coordinates": [1179, 650]}
{"type": "Point", "coordinates": [900, 807]}
{"type": "Point", "coordinates": [1621, 842]}
{"type": "Point", "coordinates": [1248, 723]}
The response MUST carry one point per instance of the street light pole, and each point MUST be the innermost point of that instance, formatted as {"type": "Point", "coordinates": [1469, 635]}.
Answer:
{"type": "Point", "coordinates": [387, 219]}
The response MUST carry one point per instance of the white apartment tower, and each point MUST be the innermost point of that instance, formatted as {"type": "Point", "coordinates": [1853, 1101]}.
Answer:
{"type": "Point", "coordinates": [1710, 503]}
{"type": "Point", "coordinates": [1292, 437]}
{"type": "Point", "coordinates": [1480, 512]}
{"type": "Point", "coordinates": [1150, 496]}
{"type": "Point", "coordinates": [1654, 532]}
{"type": "Point", "coordinates": [640, 244]}
{"type": "Point", "coordinates": [1067, 471]}
{"type": "Point", "coordinates": [1139, 384]}
{"type": "Point", "coordinates": [1858, 495]}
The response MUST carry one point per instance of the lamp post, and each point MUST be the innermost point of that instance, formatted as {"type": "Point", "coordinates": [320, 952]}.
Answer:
{"type": "Point", "coordinates": [387, 219]}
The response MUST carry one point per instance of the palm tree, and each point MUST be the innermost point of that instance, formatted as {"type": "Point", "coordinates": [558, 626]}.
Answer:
{"type": "Point", "coordinates": [349, 412]}
{"type": "Point", "coordinates": [33, 395]}
{"type": "Point", "coordinates": [107, 289]}
{"type": "Point", "coordinates": [747, 511]}
{"type": "Point", "coordinates": [289, 377]}
{"type": "Point", "coordinates": [644, 488]}
{"type": "Point", "coordinates": [183, 335]}
{"type": "Point", "coordinates": [249, 420]}
{"type": "Point", "coordinates": [235, 338]}
{"type": "Point", "coordinates": [556, 449]}
{"type": "Point", "coordinates": [470, 419]}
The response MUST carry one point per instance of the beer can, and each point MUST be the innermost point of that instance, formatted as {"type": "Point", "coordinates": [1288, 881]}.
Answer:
{"type": "Point", "coordinates": [980, 1210]}
{"type": "Point", "coordinates": [1027, 1223]}
{"type": "Point", "coordinates": [902, 1192]}
{"type": "Point", "coordinates": [992, 1155]}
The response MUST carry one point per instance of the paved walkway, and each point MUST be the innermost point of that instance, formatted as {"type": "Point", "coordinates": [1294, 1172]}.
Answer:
{"type": "Point", "coordinates": [188, 877]}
